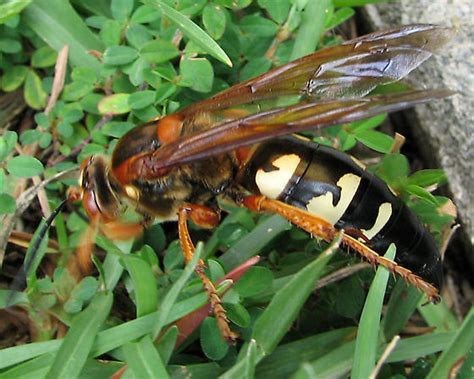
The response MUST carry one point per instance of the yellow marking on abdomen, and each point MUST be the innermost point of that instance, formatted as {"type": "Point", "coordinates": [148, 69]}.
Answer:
{"type": "Point", "coordinates": [385, 212]}
{"type": "Point", "coordinates": [271, 184]}
{"type": "Point", "coordinates": [322, 206]}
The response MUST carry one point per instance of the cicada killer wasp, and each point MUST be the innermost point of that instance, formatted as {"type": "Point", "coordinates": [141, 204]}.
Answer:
{"type": "Point", "coordinates": [175, 167]}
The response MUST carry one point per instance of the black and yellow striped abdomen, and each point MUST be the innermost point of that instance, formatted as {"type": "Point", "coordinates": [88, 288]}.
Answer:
{"type": "Point", "coordinates": [336, 187]}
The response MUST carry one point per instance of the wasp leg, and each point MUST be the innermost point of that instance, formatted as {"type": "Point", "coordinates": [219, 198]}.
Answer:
{"type": "Point", "coordinates": [205, 217]}
{"type": "Point", "coordinates": [323, 229]}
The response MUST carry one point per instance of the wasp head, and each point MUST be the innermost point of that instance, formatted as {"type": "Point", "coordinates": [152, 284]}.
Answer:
{"type": "Point", "coordinates": [99, 196]}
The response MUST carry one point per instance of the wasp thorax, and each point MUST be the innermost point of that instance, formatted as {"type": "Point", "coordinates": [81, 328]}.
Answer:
{"type": "Point", "coordinates": [99, 197]}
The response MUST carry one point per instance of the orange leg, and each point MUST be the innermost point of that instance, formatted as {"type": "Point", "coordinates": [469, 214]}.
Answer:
{"type": "Point", "coordinates": [205, 217]}
{"type": "Point", "coordinates": [322, 229]}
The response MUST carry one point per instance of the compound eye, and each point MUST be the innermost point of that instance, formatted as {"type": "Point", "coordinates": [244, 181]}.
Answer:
{"type": "Point", "coordinates": [84, 175]}
{"type": "Point", "coordinates": [89, 202]}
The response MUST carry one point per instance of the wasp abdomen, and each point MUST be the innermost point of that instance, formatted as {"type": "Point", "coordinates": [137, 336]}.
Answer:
{"type": "Point", "coordinates": [337, 188]}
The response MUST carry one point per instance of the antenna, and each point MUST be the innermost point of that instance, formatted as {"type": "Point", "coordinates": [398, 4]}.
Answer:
{"type": "Point", "coordinates": [19, 282]}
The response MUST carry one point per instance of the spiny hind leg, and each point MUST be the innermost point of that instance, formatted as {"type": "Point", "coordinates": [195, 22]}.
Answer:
{"type": "Point", "coordinates": [326, 231]}
{"type": "Point", "coordinates": [205, 217]}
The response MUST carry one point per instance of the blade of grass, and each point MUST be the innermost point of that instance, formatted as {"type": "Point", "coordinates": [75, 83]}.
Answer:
{"type": "Point", "coordinates": [34, 368]}
{"type": "Point", "coordinates": [413, 348]}
{"type": "Point", "coordinates": [58, 24]}
{"type": "Point", "coordinates": [78, 342]}
{"type": "Point", "coordinates": [403, 302]}
{"type": "Point", "coordinates": [311, 28]}
{"type": "Point", "coordinates": [192, 31]}
{"type": "Point", "coordinates": [144, 284]}
{"type": "Point", "coordinates": [459, 347]}
{"type": "Point", "coordinates": [286, 359]}
{"type": "Point", "coordinates": [253, 242]}
{"type": "Point", "coordinates": [277, 318]}
{"type": "Point", "coordinates": [167, 343]}
{"type": "Point", "coordinates": [170, 298]}
{"type": "Point", "coordinates": [250, 360]}
{"type": "Point", "coordinates": [438, 316]}
{"type": "Point", "coordinates": [143, 359]}
{"type": "Point", "coordinates": [367, 340]}
{"type": "Point", "coordinates": [334, 364]}
{"type": "Point", "coordinates": [111, 338]}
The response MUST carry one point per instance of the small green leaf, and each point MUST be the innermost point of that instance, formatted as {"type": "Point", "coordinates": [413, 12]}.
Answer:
{"type": "Point", "coordinates": [44, 57]}
{"type": "Point", "coordinates": [196, 73]}
{"type": "Point", "coordinates": [119, 55]}
{"type": "Point", "coordinates": [30, 136]}
{"type": "Point", "coordinates": [238, 314]}
{"type": "Point", "coordinates": [11, 8]}
{"type": "Point", "coordinates": [24, 166]}
{"type": "Point", "coordinates": [137, 35]}
{"type": "Point", "coordinates": [256, 25]}
{"type": "Point", "coordinates": [256, 280]}
{"type": "Point", "coordinates": [212, 343]}
{"type": "Point", "coordinates": [341, 15]}
{"type": "Point", "coordinates": [65, 129]}
{"type": "Point", "coordinates": [375, 140]}
{"type": "Point", "coordinates": [428, 177]}
{"type": "Point", "coordinates": [13, 78]}
{"type": "Point", "coordinates": [159, 51]}
{"type": "Point", "coordinates": [7, 203]}
{"type": "Point", "coordinates": [192, 31]}
{"type": "Point", "coordinates": [421, 193]}
{"type": "Point", "coordinates": [34, 93]}
{"type": "Point", "coordinates": [278, 10]}
{"type": "Point", "coordinates": [45, 140]}
{"type": "Point", "coordinates": [121, 9]}
{"type": "Point", "coordinates": [214, 20]}
{"type": "Point", "coordinates": [393, 167]}
{"type": "Point", "coordinates": [145, 14]}
{"type": "Point", "coordinates": [141, 99]}
{"type": "Point", "coordinates": [255, 67]}
{"type": "Point", "coordinates": [114, 104]}
{"type": "Point", "coordinates": [111, 32]}
{"type": "Point", "coordinates": [9, 46]}
{"type": "Point", "coordinates": [369, 123]}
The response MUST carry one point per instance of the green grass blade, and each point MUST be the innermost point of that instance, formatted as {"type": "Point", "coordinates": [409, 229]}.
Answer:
{"type": "Point", "coordinates": [438, 316]}
{"type": "Point", "coordinates": [170, 298]}
{"type": "Point", "coordinates": [250, 360]}
{"type": "Point", "coordinates": [367, 341]}
{"type": "Point", "coordinates": [311, 28]}
{"type": "Point", "coordinates": [415, 347]}
{"type": "Point", "coordinates": [275, 321]}
{"type": "Point", "coordinates": [335, 364]}
{"type": "Point", "coordinates": [144, 284]}
{"type": "Point", "coordinates": [403, 302]}
{"type": "Point", "coordinates": [277, 318]}
{"type": "Point", "coordinates": [78, 342]}
{"type": "Point", "coordinates": [286, 359]}
{"type": "Point", "coordinates": [167, 343]}
{"type": "Point", "coordinates": [192, 31]}
{"type": "Point", "coordinates": [459, 347]}
{"type": "Point", "coordinates": [34, 368]}
{"type": "Point", "coordinates": [58, 24]}
{"type": "Point", "coordinates": [253, 242]}
{"type": "Point", "coordinates": [143, 359]}
{"type": "Point", "coordinates": [16, 354]}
